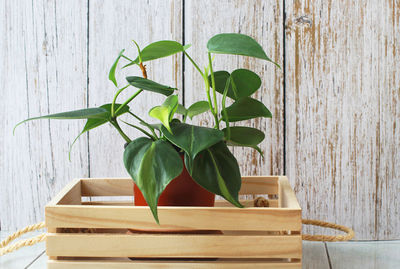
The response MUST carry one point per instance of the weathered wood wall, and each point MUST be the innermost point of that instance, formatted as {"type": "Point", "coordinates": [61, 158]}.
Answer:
{"type": "Point", "coordinates": [336, 101]}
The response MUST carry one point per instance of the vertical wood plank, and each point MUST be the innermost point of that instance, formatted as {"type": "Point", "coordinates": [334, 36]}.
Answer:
{"type": "Point", "coordinates": [342, 77]}
{"type": "Point", "coordinates": [263, 21]}
{"type": "Point", "coordinates": [43, 70]}
{"type": "Point", "coordinates": [112, 26]}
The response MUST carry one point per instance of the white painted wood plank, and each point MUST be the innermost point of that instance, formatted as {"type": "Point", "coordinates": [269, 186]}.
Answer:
{"type": "Point", "coordinates": [22, 257]}
{"type": "Point", "coordinates": [342, 84]}
{"type": "Point", "coordinates": [365, 255]}
{"type": "Point", "coordinates": [314, 255]}
{"type": "Point", "coordinates": [43, 70]}
{"type": "Point", "coordinates": [113, 24]}
{"type": "Point", "coordinates": [263, 21]}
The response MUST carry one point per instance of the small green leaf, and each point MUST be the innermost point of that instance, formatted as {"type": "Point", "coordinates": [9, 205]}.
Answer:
{"type": "Point", "coordinates": [245, 83]}
{"type": "Point", "coordinates": [181, 110]}
{"type": "Point", "coordinates": [152, 166]}
{"type": "Point", "coordinates": [237, 44]}
{"type": "Point", "coordinates": [198, 108]}
{"type": "Point", "coordinates": [247, 108]}
{"type": "Point", "coordinates": [192, 139]}
{"type": "Point", "coordinates": [158, 50]}
{"type": "Point", "coordinates": [245, 137]}
{"type": "Point", "coordinates": [166, 111]}
{"type": "Point", "coordinates": [111, 75]}
{"type": "Point", "coordinates": [217, 170]}
{"type": "Point", "coordinates": [149, 85]}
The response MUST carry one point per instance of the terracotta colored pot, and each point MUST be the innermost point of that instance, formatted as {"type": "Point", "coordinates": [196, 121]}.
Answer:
{"type": "Point", "coordinates": [181, 191]}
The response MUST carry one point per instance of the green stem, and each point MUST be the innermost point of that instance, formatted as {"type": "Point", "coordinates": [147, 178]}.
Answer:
{"type": "Point", "coordinates": [194, 63]}
{"type": "Point", "coordinates": [124, 136]}
{"type": "Point", "coordinates": [145, 123]}
{"type": "Point", "coordinates": [128, 101]}
{"type": "Point", "coordinates": [123, 56]}
{"type": "Point", "coordinates": [206, 82]}
{"type": "Point", "coordinates": [115, 99]}
{"type": "Point", "coordinates": [140, 129]}
{"type": "Point", "coordinates": [214, 91]}
{"type": "Point", "coordinates": [228, 129]}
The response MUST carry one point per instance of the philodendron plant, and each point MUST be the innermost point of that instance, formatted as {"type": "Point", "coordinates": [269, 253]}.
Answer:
{"type": "Point", "coordinates": [153, 160]}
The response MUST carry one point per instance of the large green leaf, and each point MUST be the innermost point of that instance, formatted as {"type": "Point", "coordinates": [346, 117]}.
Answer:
{"type": "Point", "coordinates": [149, 85]}
{"type": "Point", "coordinates": [217, 170]}
{"type": "Point", "coordinates": [158, 50]}
{"type": "Point", "coordinates": [192, 139]}
{"type": "Point", "coordinates": [246, 108]}
{"type": "Point", "coordinates": [166, 111]}
{"type": "Point", "coordinates": [243, 83]}
{"type": "Point", "coordinates": [152, 165]}
{"type": "Point", "coordinates": [244, 136]}
{"type": "Point", "coordinates": [111, 74]}
{"type": "Point", "coordinates": [87, 113]}
{"type": "Point", "coordinates": [198, 108]}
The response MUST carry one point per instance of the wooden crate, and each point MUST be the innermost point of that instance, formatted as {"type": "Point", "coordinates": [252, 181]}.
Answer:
{"type": "Point", "coordinates": [93, 234]}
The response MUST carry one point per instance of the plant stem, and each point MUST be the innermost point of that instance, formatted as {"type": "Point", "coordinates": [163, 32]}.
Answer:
{"type": "Point", "coordinates": [143, 68]}
{"type": "Point", "coordinates": [140, 129]}
{"type": "Point", "coordinates": [214, 91]}
{"type": "Point", "coordinates": [207, 84]}
{"type": "Point", "coordinates": [228, 129]}
{"type": "Point", "coordinates": [194, 63]}
{"type": "Point", "coordinates": [115, 99]}
{"type": "Point", "coordinates": [116, 125]}
{"type": "Point", "coordinates": [128, 101]}
{"type": "Point", "coordinates": [123, 56]}
{"type": "Point", "coordinates": [145, 123]}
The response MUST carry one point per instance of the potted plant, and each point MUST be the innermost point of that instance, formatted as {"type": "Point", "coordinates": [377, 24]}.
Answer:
{"type": "Point", "coordinates": [177, 163]}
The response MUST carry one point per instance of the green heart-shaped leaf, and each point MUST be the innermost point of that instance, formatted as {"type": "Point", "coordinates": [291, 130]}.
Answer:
{"type": "Point", "coordinates": [149, 85]}
{"type": "Point", "coordinates": [246, 108]}
{"type": "Point", "coordinates": [152, 165]}
{"type": "Point", "coordinates": [111, 74]}
{"type": "Point", "coordinates": [181, 110]}
{"type": "Point", "coordinates": [217, 170]}
{"type": "Point", "coordinates": [198, 108]}
{"type": "Point", "coordinates": [244, 137]}
{"type": "Point", "coordinates": [158, 50]}
{"type": "Point", "coordinates": [243, 83]}
{"type": "Point", "coordinates": [192, 139]}
{"type": "Point", "coordinates": [237, 44]}
{"type": "Point", "coordinates": [166, 111]}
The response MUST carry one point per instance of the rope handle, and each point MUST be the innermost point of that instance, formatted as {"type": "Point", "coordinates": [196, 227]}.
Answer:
{"type": "Point", "coordinates": [4, 249]}
{"type": "Point", "coordinates": [262, 202]}
{"type": "Point", "coordinates": [258, 202]}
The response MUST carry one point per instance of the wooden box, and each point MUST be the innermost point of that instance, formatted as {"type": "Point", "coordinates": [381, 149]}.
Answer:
{"type": "Point", "coordinates": [93, 234]}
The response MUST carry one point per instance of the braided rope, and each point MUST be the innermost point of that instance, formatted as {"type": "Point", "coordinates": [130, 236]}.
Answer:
{"type": "Point", "coordinates": [4, 249]}
{"type": "Point", "coordinates": [262, 202]}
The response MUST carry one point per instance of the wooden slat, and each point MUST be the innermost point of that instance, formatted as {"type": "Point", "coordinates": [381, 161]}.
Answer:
{"type": "Point", "coordinates": [286, 195]}
{"type": "Point", "coordinates": [70, 194]}
{"type": "Point", "coordinates": [107, 187]}
{"type": "Point", "coordinates": [207, 218]}
{"type": "Point", "coordinates": [128, 264]}
{"type": "Point", "coordinates": [124, 186]}
{"type": "Point", "coordinates": [199, 246]}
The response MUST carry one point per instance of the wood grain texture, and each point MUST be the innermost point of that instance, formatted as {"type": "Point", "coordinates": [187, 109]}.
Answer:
{"type": "Point", "coordinates": [42, 71]}
{"type": "Point", "coordinates": [342, 84]}
{"type": "Point", "coordinates": [263, 21]}
{"type": "Point", "coordinates": [112, 26]}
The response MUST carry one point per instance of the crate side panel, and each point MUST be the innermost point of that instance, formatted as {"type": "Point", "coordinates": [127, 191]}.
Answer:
{"type": "Point", "coordinates": [185, 246]}
{"type": "Point", "coordinates": [204, 218]}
